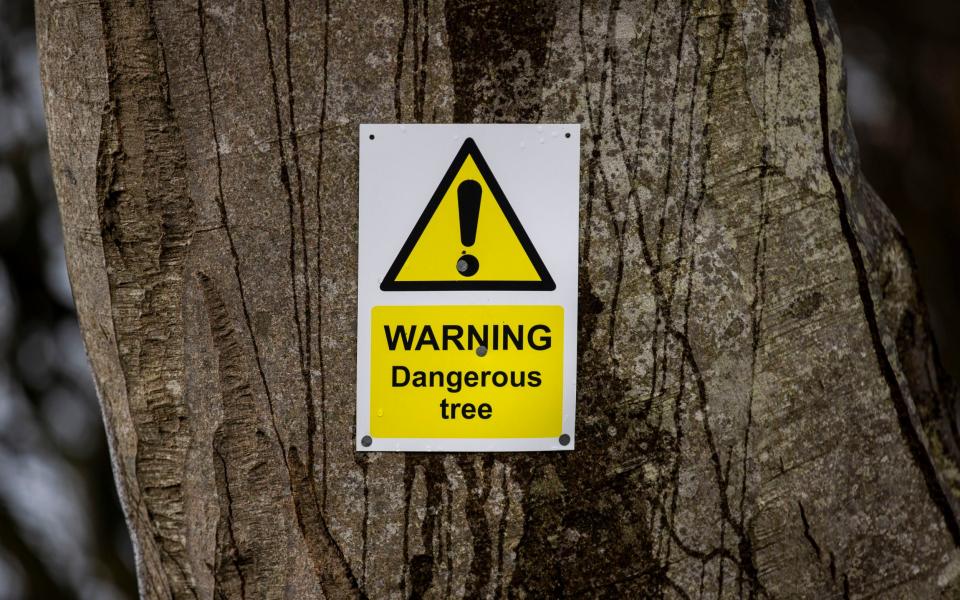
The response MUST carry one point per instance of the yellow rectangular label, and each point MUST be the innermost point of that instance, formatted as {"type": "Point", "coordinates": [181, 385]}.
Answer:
{"type": "Point", "coordinates": [466, 371]}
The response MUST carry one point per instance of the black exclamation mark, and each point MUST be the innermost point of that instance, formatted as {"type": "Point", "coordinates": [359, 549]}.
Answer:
{"type": "Point", "coordinates": [468, 201]}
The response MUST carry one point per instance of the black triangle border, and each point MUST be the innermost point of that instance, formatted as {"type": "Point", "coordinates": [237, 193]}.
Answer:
{"type": "Point", "coordinates": [469, 148]}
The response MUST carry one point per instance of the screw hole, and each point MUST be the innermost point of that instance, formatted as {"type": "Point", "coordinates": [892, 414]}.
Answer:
{"type": "Point", "coordinates": [372, 136]}
{"type": "Point", "coordinates": [564, 440]}
{"type": "Point", "coordinates": [366, 441]}
{"type": "Point", "coordinates": [566, 135]}
{"type": "Point", "coordinates": [481, 350]}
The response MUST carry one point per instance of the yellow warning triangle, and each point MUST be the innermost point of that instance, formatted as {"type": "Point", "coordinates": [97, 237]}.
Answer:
{"type": "Point", "coordinates": [468, 237]}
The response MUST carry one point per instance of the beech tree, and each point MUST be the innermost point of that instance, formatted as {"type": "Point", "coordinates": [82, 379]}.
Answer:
{"type": "Point", "coordinates": [760, 409]}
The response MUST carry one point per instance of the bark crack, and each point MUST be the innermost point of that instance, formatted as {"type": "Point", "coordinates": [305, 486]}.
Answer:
{"type": "Point", "coordinates": [935, 488]}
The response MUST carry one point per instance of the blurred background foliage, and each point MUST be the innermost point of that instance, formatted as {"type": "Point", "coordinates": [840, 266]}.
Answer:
{"type": "Point", "coordinates": [61, 531]}
{"type": "Point", "coordinates": [903, 85]}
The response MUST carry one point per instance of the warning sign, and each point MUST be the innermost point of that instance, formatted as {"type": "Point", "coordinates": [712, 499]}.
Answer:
{"type": "Point", "coordinates": [469, 221]}
{"type": "Point", "coordinates": [467, 287]}
{"type": "Point", "coordinates": [464, 371]}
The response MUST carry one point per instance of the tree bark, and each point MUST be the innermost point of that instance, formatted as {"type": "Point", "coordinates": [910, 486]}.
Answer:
{"type": "Point", "coordinates": [760, 408]}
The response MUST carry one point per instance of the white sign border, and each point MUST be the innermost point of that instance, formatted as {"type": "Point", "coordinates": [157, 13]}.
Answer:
{"type": "Point", "coordinates": [531, 162]}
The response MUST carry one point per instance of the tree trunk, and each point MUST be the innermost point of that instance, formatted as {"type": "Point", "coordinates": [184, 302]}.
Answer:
{"type": "Point", "coordinates": [760, 408]}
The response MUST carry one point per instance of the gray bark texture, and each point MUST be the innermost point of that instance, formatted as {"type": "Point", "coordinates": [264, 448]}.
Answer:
{"type": "Point", "coordinates": [760, 409]}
